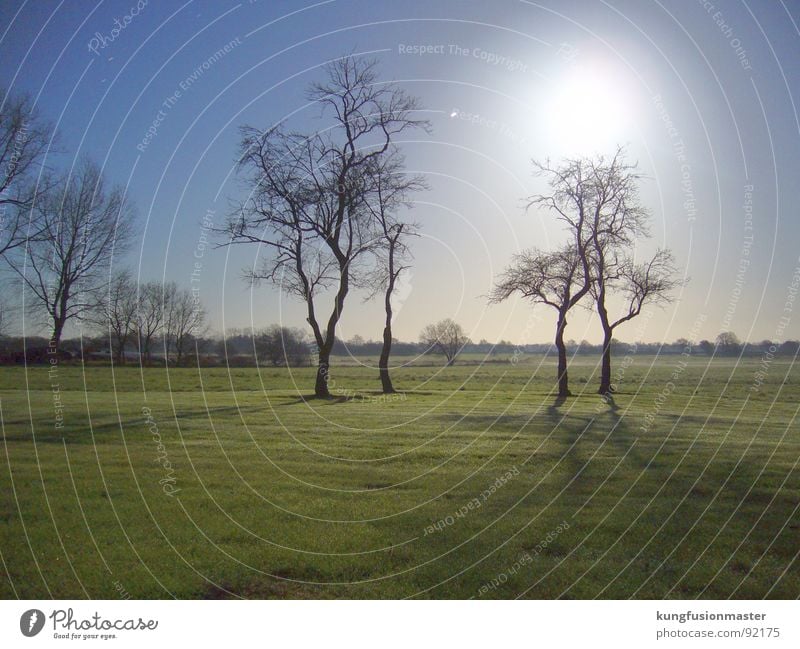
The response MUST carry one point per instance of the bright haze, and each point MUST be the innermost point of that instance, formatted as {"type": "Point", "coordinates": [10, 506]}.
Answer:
{"type": "Point", "coordinates": [702, 94]}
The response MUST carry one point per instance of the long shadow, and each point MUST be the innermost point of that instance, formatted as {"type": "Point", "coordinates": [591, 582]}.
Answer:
{"type": "Point", "coordinates": [551, 416]}
{"type": "Point", "coordinates": [642, 489]}
{"type": "Point", "coordinates": [584, 475]}
{"type": "Point", "coordinates": [365, 396]}
{"type": "Point", "coordinates": [711, 496]}
{"type": "Point", "coordinates": [611, 422]}
{"type": "Point", "coordinates": [203, 413]}
{"type": "Point", "coordinates": [79, 432]}
{"type": "Point", "coordinates": [611, 403]}
{"type": "Point", "coordinates": [312, 398]}
{"type": "Point", "coordinates": [553, 412]}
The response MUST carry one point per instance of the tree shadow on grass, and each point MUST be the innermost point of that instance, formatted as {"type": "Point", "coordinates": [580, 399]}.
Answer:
{"type": "Point", "coordinates": [314, 399]}
{"type": "Point", "coordinates": [586, 466]}
{"type": "Point", "coordinates": [542, 420]}
{"type": "Point", "coordinates": [134, 429]}
{"type": "Point", "coordinates": [553, 412]}
{"type": "Point", "coordinates": [665, 506]}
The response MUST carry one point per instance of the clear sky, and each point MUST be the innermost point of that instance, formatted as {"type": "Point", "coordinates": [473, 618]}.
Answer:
{"type": "Point", "coordinates": [704, 94]}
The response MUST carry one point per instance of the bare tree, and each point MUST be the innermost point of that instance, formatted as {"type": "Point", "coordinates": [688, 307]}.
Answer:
{"type": "Point", "coordinates": [571, 199]}
{"type": "Point", "coordinates": [706, 346]}
{"type": "Point", "coordinates": [728, 343]}
{"type": "Point", "coordinates": [150, 313]}
{"type": "Point", "coordinates": [184, 321]}
{"type": "Point", "coordinates": [637, 284]}
{"type": "Point", "coordinates": [598, 200]}
{"type": "Point", "coordinates": [281, 346]}
{"type": "Point", "coordinates": [24, 139]}
{"type": "Point", "coordinates": [392, 253]}
{"type": "Point", "coordinates": [617, 221]}
{"type": "Point", "coordinates": [445, 337]}
{"type": "Point", "coordinates": [555, 279]}
{"type": "Point", "coordinates": [82, 224]}
{"type": "Point", "coordinates": [309, 193]}
{"type": "Point", "coordinates": [116, 314]}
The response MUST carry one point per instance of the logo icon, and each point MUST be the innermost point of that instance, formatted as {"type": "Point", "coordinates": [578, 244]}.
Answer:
{"type": "Point", "coordinates": [31, 622]}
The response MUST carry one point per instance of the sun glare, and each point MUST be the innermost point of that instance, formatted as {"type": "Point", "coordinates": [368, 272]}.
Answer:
{"type": "Point", "coordinates": [588, 111]}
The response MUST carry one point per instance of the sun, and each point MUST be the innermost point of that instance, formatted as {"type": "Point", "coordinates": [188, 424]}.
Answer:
{"type": "Point", "coordinates": [588, 111]}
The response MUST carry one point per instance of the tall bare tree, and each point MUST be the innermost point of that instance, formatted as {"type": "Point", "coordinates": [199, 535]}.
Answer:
{"type": "Point", "coordinates": [445, 337]}
{"type": "Point", "coordinates": [309, 192]}
{"type": "Point", "coordinates": [617, 221]}
{"type": "Point", "coordinates": [597, 198]}
{"type": "Point", "coordinates": [82, 224]}
{"type": "Point", "coordinates": [24, 139]}
{"type": "Point", "coordinates": [556, 279]}
{"type": "Point", "coordinates": [391, 193]}
{"type": "Point", "coordinates": [571, 199]}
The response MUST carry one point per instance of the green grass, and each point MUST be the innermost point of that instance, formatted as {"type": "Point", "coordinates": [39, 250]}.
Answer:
{"type": "Point", "coordinates": [280, 496]}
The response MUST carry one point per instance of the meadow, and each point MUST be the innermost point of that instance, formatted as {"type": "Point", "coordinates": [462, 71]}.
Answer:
{"type": "Point", "coordinates": [472, 482]}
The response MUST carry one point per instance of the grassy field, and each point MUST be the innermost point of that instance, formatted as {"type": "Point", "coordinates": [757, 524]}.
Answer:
{"type": "Point", "coordinates": [472, 482]}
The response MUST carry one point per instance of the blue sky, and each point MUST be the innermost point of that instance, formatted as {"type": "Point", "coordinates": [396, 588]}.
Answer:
{"type": "Point", "coordinates": [703, 94]}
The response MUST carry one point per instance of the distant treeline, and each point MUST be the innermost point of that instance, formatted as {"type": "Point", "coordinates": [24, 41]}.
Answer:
{"type": "Point", "coordinates": [278, 346]}
{"type": "Point", "coordinates": [703, 347]}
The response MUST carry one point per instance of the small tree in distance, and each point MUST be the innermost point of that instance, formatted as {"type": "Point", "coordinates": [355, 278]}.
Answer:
{"type": "Point", "coordinates": [728, 343]}
{"type": "Point", "coordinates": [281, 346]}
{"type": "Point", "coordinates": [151, 313]}
{"type": "Point", "coordinates": [184, 322]}
{"type": "Point", "coordinates": [445, 337]}
{"type": "Point", "coordinates": [115, 316]}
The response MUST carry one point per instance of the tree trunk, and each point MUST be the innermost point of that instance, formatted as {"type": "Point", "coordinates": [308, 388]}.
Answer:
{"type": "Point", "coordinates": [608, 333]}
{"type": "Point", "coordinates": [605, 368]}
{"type": "Point", "coordinates": [383, 361]}
{"type": "Point", "coordinates": [120, 352]}
{"type": "Point", "coordinates": [563, 379]}
{"type": "Point", "coordinates": [55, 339]}
{"type": "Point", "coordinates": [59, 320]}
{"type": "Point", "coordinates": [323, 367]}
{"type": "Point", "coordinates": [323, 372]}
{"type": "Point", "coordinates": [178, 353]}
